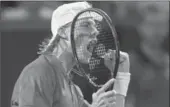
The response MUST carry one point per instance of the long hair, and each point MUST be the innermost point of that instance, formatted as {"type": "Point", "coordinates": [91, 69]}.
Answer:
{"type": "Point", "coordinates": [51, 42]}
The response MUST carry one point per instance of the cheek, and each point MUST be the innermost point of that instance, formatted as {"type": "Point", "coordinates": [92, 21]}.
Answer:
{"type": "Point", "coordinates": [86, 30]}
{"type": "Point", "coordinates": [67, 42]}
{"type": "Point", "coordinates": [82, 41]}
{"type": "Point", "coordinates": [82, 52]}
{"type": "Point", "coordinates": [69, 49]}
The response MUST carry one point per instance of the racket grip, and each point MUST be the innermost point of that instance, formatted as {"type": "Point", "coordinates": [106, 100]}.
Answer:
{"type": "Point", "coordinates": [110, 87]}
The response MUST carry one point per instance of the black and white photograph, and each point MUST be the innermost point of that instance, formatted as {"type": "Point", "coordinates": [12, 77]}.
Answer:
{"type": "Point", "coordinates": [84, 53]}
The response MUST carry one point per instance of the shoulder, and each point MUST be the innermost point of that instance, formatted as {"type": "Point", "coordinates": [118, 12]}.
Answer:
{"type": "Point", "coordinates": [37, 67]}
{"type": "Point", "coordinates": [40, 68]}
{"type": "Point", "coordinates": [38, 72]}
{"type": "Point", "coordinates": [38, 76]}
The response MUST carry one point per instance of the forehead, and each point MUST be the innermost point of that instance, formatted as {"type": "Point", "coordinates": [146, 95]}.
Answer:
{"type": "Point", "coordinates": [85, 27]}
{"type": "Point", "coordinates": [79, 26]}
{"type": "Point", "coordinates": [85, 21]}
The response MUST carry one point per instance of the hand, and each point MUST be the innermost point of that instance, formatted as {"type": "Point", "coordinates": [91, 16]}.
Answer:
{"type": "Point", "coordinates": [124, 64]}
{"type": "Point", "coordinates": [123, 76]}
{"type": "Point", "coordinates": [104, 99]}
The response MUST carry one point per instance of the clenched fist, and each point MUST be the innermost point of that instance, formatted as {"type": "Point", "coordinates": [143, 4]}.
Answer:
{"type": "Point", "coordinates": [124, 63]}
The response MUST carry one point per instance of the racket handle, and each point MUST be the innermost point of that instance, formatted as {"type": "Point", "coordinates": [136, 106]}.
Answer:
{"type": "Point", "coordinates": [110, 87]}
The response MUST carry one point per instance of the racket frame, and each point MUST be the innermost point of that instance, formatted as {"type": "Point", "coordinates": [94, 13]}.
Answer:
{"type": "Point", "coordinates": [114, 34]}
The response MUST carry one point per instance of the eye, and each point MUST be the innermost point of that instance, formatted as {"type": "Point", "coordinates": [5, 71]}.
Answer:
{"type": "Point", "coordinates": [86, 24]}
{"type": "Point", "coordinates": [65, 38]}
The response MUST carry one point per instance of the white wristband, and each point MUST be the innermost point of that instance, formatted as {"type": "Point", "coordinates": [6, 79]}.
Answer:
{"type": "Point", "coordinates": [122, 83]}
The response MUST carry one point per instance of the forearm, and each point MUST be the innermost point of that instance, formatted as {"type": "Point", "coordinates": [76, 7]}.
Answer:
{"type": "Point", "coordinates": [121, 87]}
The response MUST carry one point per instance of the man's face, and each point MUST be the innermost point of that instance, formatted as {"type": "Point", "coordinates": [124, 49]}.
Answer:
{"type": "Point", "coordinates": [86, 33]}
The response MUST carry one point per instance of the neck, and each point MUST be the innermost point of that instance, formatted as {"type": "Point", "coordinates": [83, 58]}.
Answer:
{"type": "Point", "coordinates": [67, 60]}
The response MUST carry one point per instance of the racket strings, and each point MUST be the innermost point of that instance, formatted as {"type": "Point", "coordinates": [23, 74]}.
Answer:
{"type": "Point", "coordinates": [99, 50]}
{"type": "Point", "coordinates": [96, 72]}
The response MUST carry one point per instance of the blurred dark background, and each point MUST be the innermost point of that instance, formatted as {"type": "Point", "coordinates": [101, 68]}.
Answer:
{"type": "Point", "coordinates": [143, 29]}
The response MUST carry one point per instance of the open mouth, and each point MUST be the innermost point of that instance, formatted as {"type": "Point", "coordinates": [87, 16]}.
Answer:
{"type": "Point", "coordinates": [91, 45]}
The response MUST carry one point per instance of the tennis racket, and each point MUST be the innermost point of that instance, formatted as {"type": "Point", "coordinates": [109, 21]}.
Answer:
{"type": "Point", "coordinates": [91, 49]}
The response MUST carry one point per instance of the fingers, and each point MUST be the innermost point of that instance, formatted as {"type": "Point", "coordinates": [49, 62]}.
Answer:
{"type": "Point", "coordinates": [105, 87]}
{"type": "Point", "coordinates": [107, 103]}
{"type": "Point", "coordinates": [110, 95]}
{"type": "Point", "coordinates": [102, 103]}
{"type": "Point", "coordinates": [123, 56]}
{"type": "Point", "coordinates": [105, 99]}
{"type": "Point", "coordinates": [112, 104]}
{"type": "Point", "coordinates": [111, 55]}
{"type": "Point", "coordinates": [109, 60]}
{"type": "Point", "coordinates": [112, 99]}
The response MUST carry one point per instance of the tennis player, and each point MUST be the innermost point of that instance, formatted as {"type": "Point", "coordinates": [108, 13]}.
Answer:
{"type": "Point", "coordinates": [45, 82]}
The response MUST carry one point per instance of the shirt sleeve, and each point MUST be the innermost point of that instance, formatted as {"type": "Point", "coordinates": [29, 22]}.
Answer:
{"type": "Point", "coordinates": [36, 87]}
